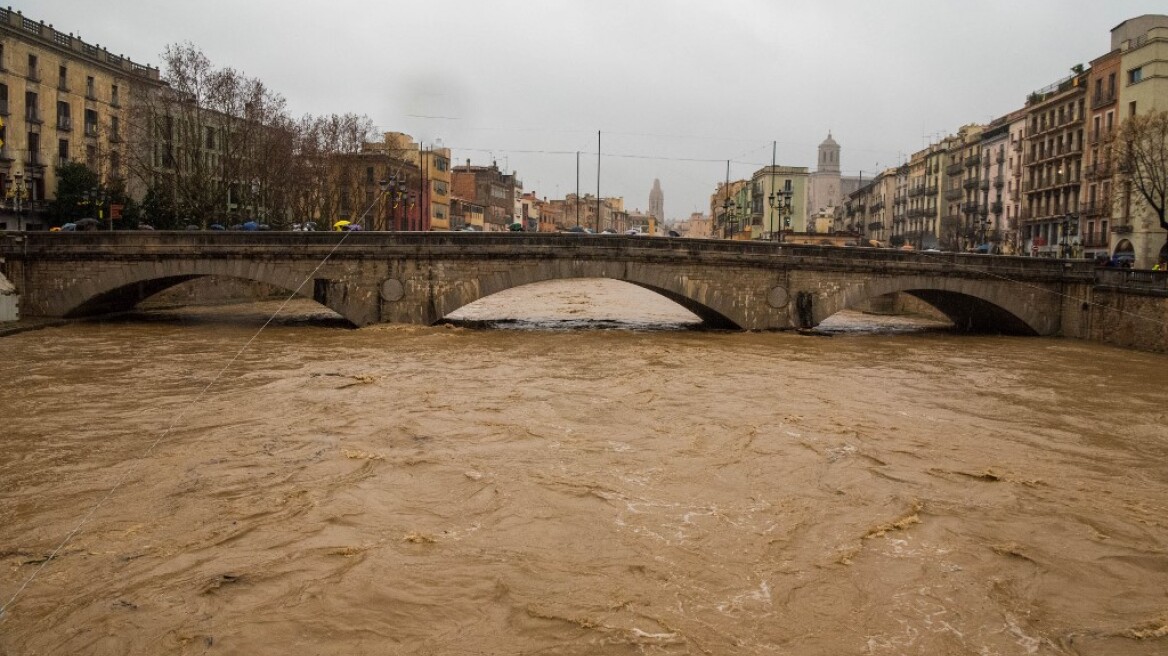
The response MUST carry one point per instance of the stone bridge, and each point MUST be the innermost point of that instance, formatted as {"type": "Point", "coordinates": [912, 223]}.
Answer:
{"type": "Point", "coordinates": [371, 277]}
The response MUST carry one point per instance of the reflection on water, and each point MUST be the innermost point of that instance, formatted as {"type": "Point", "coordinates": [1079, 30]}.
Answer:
{"type": "Point", "coordinates": [403, 489]}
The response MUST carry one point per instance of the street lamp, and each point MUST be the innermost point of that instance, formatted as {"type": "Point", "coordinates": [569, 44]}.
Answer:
{"type": "Point", "coordinates": [1070, 224]}
{"type": "Point", "coordinates": [728, 209]}
{"type": "Point", "coordinates": [780, 202]}
{"type": "Point", "coordinates": [18, 193]}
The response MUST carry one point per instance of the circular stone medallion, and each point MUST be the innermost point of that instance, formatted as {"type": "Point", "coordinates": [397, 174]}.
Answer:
{"type": "Point", "coordinates": [392, 290]}
{"type": "Point", "coordinates": [777, 297]}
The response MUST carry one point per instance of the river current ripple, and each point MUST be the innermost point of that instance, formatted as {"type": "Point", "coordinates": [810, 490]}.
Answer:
{"type": "Point", "coordinates": [628, 486]}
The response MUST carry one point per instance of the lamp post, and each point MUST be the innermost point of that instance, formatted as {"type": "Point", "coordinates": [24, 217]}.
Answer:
{"type": "Point", "coordinates": [1069, 224]}
{"type": "Point", "coordinates": [18, 193]}
{"type": "Point", "coordinates": [780, 202]}
{"type": "Point", "coordinates": [728, 209]}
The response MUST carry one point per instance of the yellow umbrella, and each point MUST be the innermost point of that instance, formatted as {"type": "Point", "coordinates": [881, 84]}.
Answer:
{"type": "Point", "coordinates": [340, 225]}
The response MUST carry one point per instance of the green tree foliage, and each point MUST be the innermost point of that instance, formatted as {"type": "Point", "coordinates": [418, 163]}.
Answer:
{"type": "Point", "coordinates": [78, 187]}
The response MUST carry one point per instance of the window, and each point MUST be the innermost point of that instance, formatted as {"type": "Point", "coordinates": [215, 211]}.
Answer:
{"type": "Point", "coordinates": [30, 107]}
{"type": "Point", "coordinates": [208, 138]}
{"type": "Point", "coordinates": [440, 188]}
{"type": "Point", "coordinates": [63, 151]}
{"type": "Point", "coordinates": [89, 86]}
{"type": "Point", "coordinates": [90, 123]}
{"type": "Point", "coordinates": [1135, 75]}
{"type": "Point", "coordinates": [63, 78]}
{"type": "Point", "coordinates": [4, 99]}
{"type": "Point", "coordinates": [1131, 108]}
{"type": "Point", "coordinates": [442, 163]}
{"type": "Point", "coordinates": [115, 131]}
{"type": "Point", "coordinates": [114, 95]}
{"type": "Point", "coordinates": [63, 118]}
{"type": "Point", "coordinates": [32, 67]}
{"type": "Point", "coordinates": [1111, 85]}
{"type": "Point", "coordinates": [2, 67]}
{"type": "Point", "coordinates": [34, 148]}
{"type": "Point", "coordinates": [369, 176]}
{"type": "Point", "coordinates": [115, 163]}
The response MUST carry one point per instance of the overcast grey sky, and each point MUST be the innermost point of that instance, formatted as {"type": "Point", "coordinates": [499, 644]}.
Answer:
{"type": "Point", "coordinates": [675, 88]}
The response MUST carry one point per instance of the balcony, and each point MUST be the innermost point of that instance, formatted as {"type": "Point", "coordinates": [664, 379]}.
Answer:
{"type": "Point", "coordinates": [983, 210]}
{"type": "Point", "coordinates": [91, 129]}
{"type": "Point", "coordinates": [969, 208]}
{"type": "Point", "coordinates": [984, 184]}
{"type": "Point", "coordinates": [971, 183]}
{"type": "Point", "coordinates": [875, 225]}
{"type": "Point", "coordinates": [972, 161]}
{"type": "Point", "coordinates": [1095, 241]}
{"type": "Point", "coordinates": [953, 169]}
{"type": "Point", "coordinates": [996, 207]}
{"type": "Point", "coordinates": [1094, 209]}
{"type": "Point", "coordinates": [1102, 100]}
{"type": "Point", "coordinates": [64, 123]}
{"type": "Point", "coordinates": [1098, 170]}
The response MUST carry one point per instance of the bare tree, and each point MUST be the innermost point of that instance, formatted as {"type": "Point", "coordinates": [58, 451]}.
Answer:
{"type": "Point", "coordinates": [199, 141]}
{"type": "Point", "coordinates": [1141, 156]}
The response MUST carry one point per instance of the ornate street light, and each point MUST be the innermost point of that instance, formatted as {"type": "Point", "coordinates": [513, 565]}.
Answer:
{"type": "Point", "coordinates": [728, 213]}
{"type": "Point", "coordinates": [780, 202]}
{"type": "Point", "coordinates": [18, 193]}
{"type": "Point", "coordinates": [1070, 224]}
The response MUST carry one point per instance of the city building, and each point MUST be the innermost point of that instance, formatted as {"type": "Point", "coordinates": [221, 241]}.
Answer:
{"type": "Point", "coordinates": [465, 215]}
{"type": "Point", "coordinates": [697, 226]}
{"type": "Point", "coordinates": [991, 200]}
{"type": "Point", "coordinates": [1055, 125]}
{"type": "Point", "coordinates": [61, 100]}
{"type": "Point", "coordinates": [1142, 44]}
{"type": "Point", "coordinates": [827, 186]}
{"type": "Point", "coordinates": [490, 188]}
{"type": "Point", "coordinates": [433, 183]}
{"type": "Point", "coordinates": [1095, 206]}
{"type": "Point", "coordinates": [778, 202]}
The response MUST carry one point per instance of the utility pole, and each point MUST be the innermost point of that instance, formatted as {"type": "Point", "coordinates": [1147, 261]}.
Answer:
{"type": "Point", "coordinates": [598, 181]}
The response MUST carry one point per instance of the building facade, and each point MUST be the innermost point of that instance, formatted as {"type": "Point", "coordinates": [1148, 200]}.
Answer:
{"type": "Point", "coordinates": [1055, 133]}
{"type": "Point", "coordinates": [1142, 44]}
{"type": "Point", "coordinates": [489, 188]}
{"type": "Point", "coordinates": [62, 100]}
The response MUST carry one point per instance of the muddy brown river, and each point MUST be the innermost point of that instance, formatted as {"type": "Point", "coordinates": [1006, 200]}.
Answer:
{"type": "Point", "coordinates": [588, 476]}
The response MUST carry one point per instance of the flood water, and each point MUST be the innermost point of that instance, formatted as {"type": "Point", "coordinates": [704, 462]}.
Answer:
{"type": "Point", "coordinates": [592, 477]}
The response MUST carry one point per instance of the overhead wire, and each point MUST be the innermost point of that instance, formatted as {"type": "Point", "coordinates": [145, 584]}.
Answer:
{"type": "Point", "coordinates": [141, 458]}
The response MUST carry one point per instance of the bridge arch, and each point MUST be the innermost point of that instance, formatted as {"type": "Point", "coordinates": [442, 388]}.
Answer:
{"type": "Point", "coordinates": [972, 305]}
{"type": "Point", "coordinates": [123, 288]}
{"type": "Point", "coordinates": [703, 299]}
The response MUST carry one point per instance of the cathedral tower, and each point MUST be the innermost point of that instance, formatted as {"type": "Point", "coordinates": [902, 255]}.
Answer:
{"type": "Point", "coordinates": [657, 201]}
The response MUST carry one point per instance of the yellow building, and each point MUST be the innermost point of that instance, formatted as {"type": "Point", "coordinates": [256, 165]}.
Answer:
{"type": "Point", "coordinates": [1143, 89]}
{"type": "Point", "coordinates": [436, 177]}
{"type": "Point", "coordinates": [61, 100]}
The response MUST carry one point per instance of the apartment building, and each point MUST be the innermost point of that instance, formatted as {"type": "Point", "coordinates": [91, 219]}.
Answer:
{"type": "Point", "coordinates": [991, 197]}
{"type": "Point", "coordinates": [1142, 45]}
{"type": "Point", "coordinates": [490, 188]}
{"type": "Point", "coordinates": [61, 100]}
{"type": "Point", "coordinates": [1055, 131]}
{"type": "Point", "coordinates": [777, 197]}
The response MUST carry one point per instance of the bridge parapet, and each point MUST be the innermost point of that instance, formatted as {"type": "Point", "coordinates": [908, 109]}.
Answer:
{"type": "Point", "coordinates": [421, 277]}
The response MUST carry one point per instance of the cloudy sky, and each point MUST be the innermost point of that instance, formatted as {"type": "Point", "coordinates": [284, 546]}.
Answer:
{"type": "Point", "coordinates": [675, 88]}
